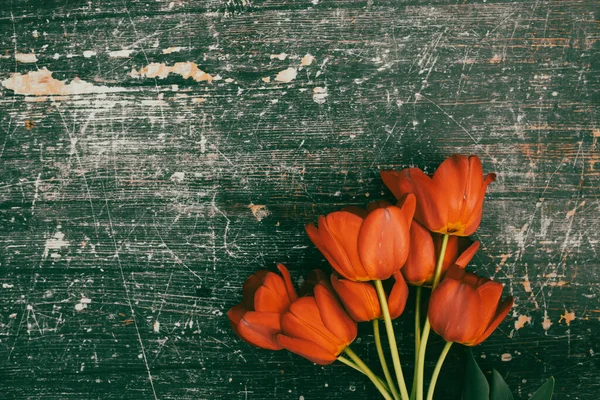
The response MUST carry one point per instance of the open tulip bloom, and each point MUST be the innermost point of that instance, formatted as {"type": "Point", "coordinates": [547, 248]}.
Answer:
{"type": "Point", "coordinates": [375, 252]}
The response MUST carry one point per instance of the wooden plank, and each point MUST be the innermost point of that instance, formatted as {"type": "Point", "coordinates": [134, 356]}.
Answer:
{"type": "Point", "coordinates": [126, 218]}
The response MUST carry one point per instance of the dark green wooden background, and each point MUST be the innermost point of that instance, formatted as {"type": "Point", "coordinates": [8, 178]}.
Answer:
{"type": "Point", "coordinates": [130, 218]}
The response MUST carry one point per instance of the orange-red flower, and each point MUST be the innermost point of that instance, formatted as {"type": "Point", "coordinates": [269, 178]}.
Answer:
{"type": "Point", "coordinates": [451, 200]}
{"type": "Point", "coordinates": [465, 308]}
{"type": "Point", "coordinates": [266, 296]}
{"type": "Point", "coordinates": [317, 327]}
{"type": "Point", "coordinates": [425, 249]}
{"type": "Point", "coordinates": [360, 298]}
{"type": "Point", "coordinates": [365, 245]}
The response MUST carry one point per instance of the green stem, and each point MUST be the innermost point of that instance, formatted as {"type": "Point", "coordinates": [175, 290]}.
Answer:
{"type": "Point", "coordinates": [391, 339]}
{"type": "Point", "coordinates": [349, 363]}
{"type": "Point", "coordinates": [367, 371]}
{"type": "Point", "coordinates": [384, 366]}
{"type": "Point", "coordinates": [417, 339]}
{"type": "Point", "coordinates": [437, 369]}
{"type": "Point", "coordinates": [421, 360]}
{"type": "Point", "coordinates": [438, 268]}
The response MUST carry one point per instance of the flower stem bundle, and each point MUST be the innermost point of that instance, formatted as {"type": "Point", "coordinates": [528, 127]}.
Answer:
{"type": "Point", "coordinates": [375, 253]}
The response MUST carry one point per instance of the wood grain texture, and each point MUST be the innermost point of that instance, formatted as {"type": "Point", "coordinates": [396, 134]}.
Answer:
{"type": "Point", "coordinates": [125, 222]}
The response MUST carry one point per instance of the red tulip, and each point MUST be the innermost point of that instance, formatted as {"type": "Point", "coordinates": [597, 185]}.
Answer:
{"type": "Point", "coordinates": [424, 251]}
{"type": "Point", "coordinates": [266, 296]}
{"type": "Point", "coordinates": [360, 298]}
{"type": "Point", "coordinates": [365, 245]}
{"type": "Point", "coordinates": [465, 308]}
{"type": "Point", "coordinates": [450, 201]}
{"type": "Point", "coordinates": [317, 327]}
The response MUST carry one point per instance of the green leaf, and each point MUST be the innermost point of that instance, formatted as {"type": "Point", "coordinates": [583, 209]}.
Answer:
{"type": "Point", "coordinates": [545, 392]}
{"type": "Point", "coordinates": [475, 386]}
{"type": "Point", "coordinates": [500, 390]}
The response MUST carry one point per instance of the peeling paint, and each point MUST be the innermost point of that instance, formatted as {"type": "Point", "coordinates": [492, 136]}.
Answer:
{"type": "Point", "coordinates": [259, 211]}
{"type": "Point", "coordinates": [161, 71]}
{"type": "Point", "coordinates": [178, 177]}
{"type": "Point", "coordinates": [280, 56]}
{"type": "Point", "coordinates": [568, 317]}
{"type": "Point", "coordinates": [89, 53]}
{"type": "Point", "coordinates": [170, 50]}
{"type": "Point", "coordinates": [120, 53]}
{"type": "Point", "coordinates": [307, 60]}
{"type": "Point", "coordinates": [26, 58]}
{"type": "Point", "coordinates": [266, 79]}
{"type": "Point", "coordinates": [546, 323]}
{"type": "Point", "coordinates": [41, 82]}
{"type": "Point", "coordinates": [287, 75]}
{"type": "Point", "coordinates": [320, 94]}
{"type": "Point", "coordinates": [521, 321]}
{"type": "Point", "coordinates": [56, 242]}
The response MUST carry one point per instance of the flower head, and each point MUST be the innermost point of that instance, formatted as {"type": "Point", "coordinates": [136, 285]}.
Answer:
{"type": "Point", "coordinates": [256, 319]}
{"type": "Point", "coordinates": [364, 245]}
{"type": "Point", "coordinates": [465, 308]}
{"type": "Point", "coordinates": [450, 201]}
{"type": "Point", "coordinates": [360, 298]}
{"type": "Point", "coordinates": [316, 326]}
{"type": "Point", "coordinates": [424, 251]}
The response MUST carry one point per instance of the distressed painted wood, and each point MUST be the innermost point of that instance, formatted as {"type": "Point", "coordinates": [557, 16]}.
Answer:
{"type": "Point", "coordinates": [154, 153]}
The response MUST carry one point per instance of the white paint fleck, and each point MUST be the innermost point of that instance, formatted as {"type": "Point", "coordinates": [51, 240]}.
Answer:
{"type": "Point", "coordinates": [170, 50]}
{"type": "Point", "coordinates": [41, 82]}
{"type": "Point", "coordinates": [156, 326]}
{"type": "Point", "coordinates": [266, 79]}
{"type": "Point", "coordinates": [161, 71]}
{"type": "Point", "coordinates": [56, 56]}
{"type": "Point", "coordinates": [56, 242]}
{"type": "Point", "coordinates": [287, 75]}
{"type": "Point", "coordinates": [554, 94]}
{"type": "Point", "coordinates": [280, 56]}
{"type": "Point", "coordinates": [7, 286]}
{"type": "Point", "coordinates": [178, 177]}
{"type": "Point", "coordinates": [307, 60]}
{"type": "Point", "coordinates": [320, 94]}
{"type": "Point", "coordinates": [506, 357]}
{"type": "Point", "coordinates": [26, 58]}
{"type": "Point", "coordinates": [89, 53]}
{"type": "Point", "coordinates": [35, 34]}
{"type": "Point", "coordinates": [83, 303]}
{"type": "Point", "coordinates": [120, 53]}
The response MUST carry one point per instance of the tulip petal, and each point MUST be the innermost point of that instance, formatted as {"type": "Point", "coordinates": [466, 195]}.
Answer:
{"type": "Point", "coordinates": [408, 204]}
{"type": "Point", "coordinates": [398, 296]}
{"type": "Point", "coordinates": [339, 234]}
{"type": "Point", "coordinates": [420, 264]}
{"type": "Point", "coordinates": [383, 242]}
{"type": "Point", "coordinates": [490, 293]}
{"type": "Point", "coordinates": [454, 310]}
{"type": "Point", "coordinates": [260, 329]}
{"type": "Point", "coordinates": [431, 197]}
{"type": "Point", "coordinates": [306, 349]}
{"type": "Point", "coordinates": [235, 314]}
{"type": "Point", "coordinates": [287, 279]}
{"type": "Point", "coordinates": [310, 281]}
{"type": "Point", "coordinates": [467, 255]}
{"type": "Point", "coordinates": [252, 283]}
{"type": "Point", "coordinates": [391, 179]}
{"type": "Point", "coordinates": [499, 316]}
{"type": "Point", "coordinates": [304, 321]}
{"type": "Point", "coordinates": [272, 296]}
{"type": "Point", "coordinates": [359, 298]}
{"type": "Point", "coordinates": [333, 315]}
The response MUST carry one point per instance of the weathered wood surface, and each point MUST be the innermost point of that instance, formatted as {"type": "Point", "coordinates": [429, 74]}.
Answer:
{"type": "Point", "coordinates": [133, 206]}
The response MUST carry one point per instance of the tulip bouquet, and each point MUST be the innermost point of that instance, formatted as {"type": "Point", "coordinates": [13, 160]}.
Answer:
{"type": "Point", "coordinates": [376, 253]}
